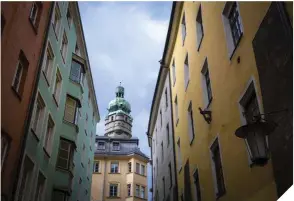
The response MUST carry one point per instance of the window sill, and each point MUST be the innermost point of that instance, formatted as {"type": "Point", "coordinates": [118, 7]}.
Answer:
{"type": "Point", "coordinates": [68, 171]}
{"type": "Point", "coordinates": [46, 79]}
{"type": "Point", "coordinates": [113, 197]}
{"type": "Point", "coordinates": [96, 172]}
{"type": "Point", "coordinates": [78, 84]}
{"type": "Point", "coordinates": [114, 173]}
{"type": "Point", "coordinates": [140, 174]}
{"type": "Point", "coordinates": [35, 135]}
{"type": "Point", "coordinates": [140, 198]}
{"type": "Point", "coordinates": [34, 27]}
{"type": "Point", "coordinates": [200, 42]}
{"type": "Point", "coordinates": [71, 124]}
{"type": "Point", "coordinates": [236, 46]}
{"type": "Point", "coordinates": [16, 93]}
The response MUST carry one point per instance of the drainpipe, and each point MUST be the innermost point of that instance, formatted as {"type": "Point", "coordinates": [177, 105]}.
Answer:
{"type": "Point", "coordinates": [31, 104]}
{"type": "Point", "coordinates": [173, 130]}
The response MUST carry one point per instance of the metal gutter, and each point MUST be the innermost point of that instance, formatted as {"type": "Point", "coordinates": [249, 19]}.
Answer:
{"type": "Point", "coordinates": [31, 104]}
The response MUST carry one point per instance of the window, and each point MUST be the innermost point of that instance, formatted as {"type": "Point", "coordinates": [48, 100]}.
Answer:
{"type": "Point", "coordinates": [218, 170]}
{"type": "Point", "coordinates": [129, 189]}
{"type": "Point", "coordinates": [59, 195]}
{"type": "Point", "coordinates": [38, 115]}
{"type": "Point", "coordinates": [130, 166]}
{"type": "Point", "coordinates": [64, 45]}
{"type": "Point", "coordinates": [206, 84]}
{"type": "Point", "coordinates": [76, 72]}
{"type": "Point", "coordinates": [114, 167]}
{"type": "Point", "coordinates": [57, 88]}
{"type": "Point", "coordinates": [3, 22]}
{"type": "Point", "coordinates": [162, 153]}
{"type": "Point", "coordinates": [113, 190]}
{"type": "Point", "coordinates": [160, 118]}
{"type": "Point", "coordinates": [101, 145]}
{"type": "Point", "coordinates": [39, 194]}
{"type": "Point", "coordinates": [142, 169]}
{"type": "Point", "coordinates": [191, 130]}
{"type": "Point", "coordinates": [167, 134]}
{"type": "Point", "coordinates": [174, 72]}
{"type": "Point", "coordinates": [48, 63]}
{"type": "Point", "coordinates": [233, 26]}
{"type": "Point", "coordinates": [166, 99]}
{"type": "Point", "coordinates": [20, 74]}
{"type": "Point", "coordinates": [56, 20]}
{"type": "Point", "coordinates": [187, 183]}
{"type": "Point", "coordinates": [170, 175]}
{"type": "Point", "coordinates": [35, 13]}
{"type": "Point", "coordinates": [179, 157]}
{"type": "Point", "coordinates": [163, 186]}
{"type": "Point", "coordinates": [71, 110]}
{"type": "Point", "coordinates": [65, 155]}
{"type": "Point", "coordinates": [137, 190]}
{"type": "Point", "coordinates": [68, 16]}
{"type": "Point", "coordinates": [49, 134]}
{"type": "Point", "coordinates": [138, 168]}
{"type": "Point", "coordinates": [183, 29]}
{"type": "Point", "coordinates": [199, 27]}
{"type": "Point", "coordinates": [197, 185]}
{"type": "Point", "coordinates": [176, 110]}
{"type": "Point", "coordinates": [187, 72]}
{"type": "Point", "coordinates": [142, 192]}
{"type": "Point", "coordinates": [96, 166]}
{"type": "Point", "coordinates": [115, 146]}
{"type": "Point", "coordinates": [5, 141]}
{"type": "Point", "coordinates": [77, 50]}
{"type": "Point", "coordinates": [26, 180]}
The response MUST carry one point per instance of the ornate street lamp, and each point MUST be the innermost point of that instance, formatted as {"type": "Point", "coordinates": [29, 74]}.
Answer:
{"type": "Point", "coordinates": [254, 135]}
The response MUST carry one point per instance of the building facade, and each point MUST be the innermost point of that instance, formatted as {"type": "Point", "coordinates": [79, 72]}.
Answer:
{"type": "Point", "coordinates": [23, 29]}
{"type": "Point", "coordinates": [221, 71]}
{"type": "Point", "coordinates": [59, 151]}
{"type": "Point", "coordinates": [120, 168]}
{"type": "Point", "coordinates": [160, 135]}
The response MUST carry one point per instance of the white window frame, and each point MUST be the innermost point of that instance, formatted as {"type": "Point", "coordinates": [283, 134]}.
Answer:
{"type": "Point", "coordinates": [49, 137]}
{"type": "Point", "coordinates": [32, 17]}
{"type": "Point", "coordinates": [184, 28]}
{"type": "Point", "coordinates": [75, 115]}
{"type": "Point", "coordinates": [176, 110]}
{"type": "Point", "coordinates": [117, 147]}
{"type": "Point", "coordinates": [39, 121]}
{"type": "Point", "coordinates": [142, 192]}
{"type": "Point", "coordinates": [114, 163]}
{"type": "Point", "coordinates": [22, 64]}
{"type": "Point", "coordinates": [69, 158]}
{"type": "Point", "coordinates": [48, 70]}
{"type": "Point", "coordinates": [186, 71]}
{"type": "Point", "coordinates": [58, 86]}
{"type": "Point", "coordinates": [142, 167]}
{"type": "Point", "coordinates": [64, 46]}
{"type": "Point", "coordinates": [69, 16]}
{"type": "Point", "coordinates": [99, 147]}
{"type": "Point", "coordinates": [179, 156]}
{"type": "Point", "coordinates": [137, 190]}
{"type": "Point", "coordinates": [96, 170]}
{"type": "Point", "coordinates": [204, 71]}
{"type": "Point", "coordinates": [40, 192]}
{"type": "Point", "coordinates": [5, 141]}
{"type": "Point", "coordinates": [58, 22]}
{"type": "Point", "coordinates": [191, 128]}
{"type": "Point", "coordinates": [174, 72]}
{"type": "Point", "coordinates": [199, 27]}
{"type": "Point", "coordinates": [117, 189]}
{"type": "Point", "coordinates": [228, 33]}
{"type": "Point", "coordinates": [138, 169]}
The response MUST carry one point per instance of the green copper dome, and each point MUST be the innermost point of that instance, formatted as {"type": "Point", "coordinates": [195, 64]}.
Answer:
{"type": "Point", "coordinates": [119, 104]}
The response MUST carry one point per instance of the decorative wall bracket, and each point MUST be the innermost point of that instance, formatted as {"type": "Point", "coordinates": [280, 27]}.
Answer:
{"type": "Point", "coordinates": [206, 115]}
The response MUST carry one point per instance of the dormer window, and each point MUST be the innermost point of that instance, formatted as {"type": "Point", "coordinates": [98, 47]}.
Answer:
{"type": "Point", "coordinates": [115, 146]}
{"type": "Point", "coordinates": [101, 145]}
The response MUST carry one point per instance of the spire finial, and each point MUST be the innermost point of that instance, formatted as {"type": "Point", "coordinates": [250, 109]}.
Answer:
{"type": "Point", "coordinates": [119, 83]}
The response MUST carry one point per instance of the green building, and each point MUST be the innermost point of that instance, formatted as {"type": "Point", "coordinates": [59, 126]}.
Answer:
{"type": "Point", "coordinates": [59, 150]}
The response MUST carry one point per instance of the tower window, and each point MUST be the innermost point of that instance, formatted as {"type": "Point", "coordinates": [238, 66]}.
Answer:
{"type": "Point", "coordinates": [115, 146]}
{"type": "Point", "coordinates": [101, 145]}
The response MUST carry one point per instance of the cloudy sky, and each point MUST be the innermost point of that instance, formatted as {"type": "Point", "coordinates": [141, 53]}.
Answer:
{"type": "Point", "coordinates": [125, 41]}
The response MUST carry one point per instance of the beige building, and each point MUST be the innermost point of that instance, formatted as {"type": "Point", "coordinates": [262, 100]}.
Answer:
{"type": "Point", "coordinates": [120, 168]}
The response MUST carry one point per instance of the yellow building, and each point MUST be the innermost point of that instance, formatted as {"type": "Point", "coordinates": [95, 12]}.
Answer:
{"type": "Point", "coordinates": [215, 90]}
{"type": "Point", "coordinates": [120, 168]}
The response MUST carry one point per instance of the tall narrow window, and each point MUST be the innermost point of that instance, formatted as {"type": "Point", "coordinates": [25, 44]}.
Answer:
{"type": "Point", "coordinates": [187, 72]}
{"type": "Point", "coordinates": [142, 192]}
{"type": "Point", "coordinates": [183, 28]}
{"type": "Point", "coordinates": [199, 27]}
{"type": "Point", "coordinates": [77, 50]}
{"type": "Point", "coordinates": [49, 134]}
{"type": "Point", "coordinates": [206, 84]}
{"type": "Point", "coordinates": [129, 186]}
{"type": "Point", "coordinates": [35, 13]}
{"type": "Point", "coordinates": [138, 168]}
{"type": "Point", "coordinates": [176, 110]}
{"type": "Point", "coordinates": [163, 186]}
{"type": "Point", "coordinates": [96, 166]}
{"type": "Point", "coordinates": [69, 17]}
{"type": "Point", "coordinates": [187, 183]}
{"type": "Point", "coordinates": [3, 22]}
{"type": "Point", "coordinates": [160, 118]}
{"type": "Point", "coordinates": [5, 141]}
{"type": "Point", "coordinates": [170, 175]}
{"type": "Point", "coordinates": [179, 156]}
{"type": "Point", "coordinates": [56, 22]}
{"type": "Point", "coordinates": [218, 170]}
{"type": "Point", "coordinates": [167, 134]}
{"type": "Point", "coordinates": [39, 194]}
{"type": "Point", "coordinates": [64, 45]}
{"type": "Point", "coordinates": [48, 63]}
{"type": "Point", "coordinates": [57, 88]}
{"type": "Point", "coordinates": [162, 152]}
{"type": "Point", "coordinates": [191, 130]}
{"type": "Point", "coordinates": [166, 98]}
{"type": "Point", "coordinates": [20, 74]}
{"type": "Point", "coordinates": [113, 190]}
{"type": "Point", "coordinates": [26, 179]}
{"type": "Point", "coordinates": [65, 155]}
{"type": "Point", "coordinates": [76, 72]}
{"type": "Point", "coordinates": [71, 109]}
{"type": "Point", "coordinates": [137, 190]}
{"type": "Point", "coordinates": [197, 185]}
{"type": "Point", "coordinates": [114, 167]}
{"type": "Point", "coordinates": [235, 23]}
{"type": "Point", "coordinates": [174, 71]}
{"type": "Point", "coordinates": [38, 117]}
{"type": "Point", "coordinates": [142, 169]}
{"type": "Point", "coordinates": [130, 166]}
